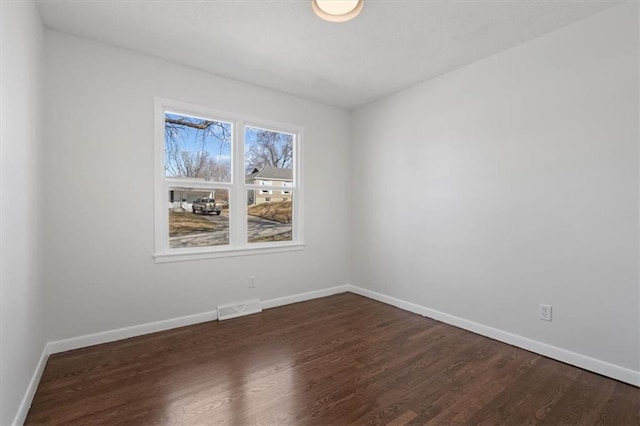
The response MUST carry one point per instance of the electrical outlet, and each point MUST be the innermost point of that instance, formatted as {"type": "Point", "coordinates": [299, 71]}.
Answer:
{"type": "Point", "coordinates": [545, 312]}
{"type": "Point", "coordinates": [252, 281]}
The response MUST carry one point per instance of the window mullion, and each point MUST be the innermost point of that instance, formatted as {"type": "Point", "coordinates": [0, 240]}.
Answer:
{"type": "Point", "coordinates": [240, 193]}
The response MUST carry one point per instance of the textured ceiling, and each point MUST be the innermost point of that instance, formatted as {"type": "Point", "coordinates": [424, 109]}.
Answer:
{"type": "Point", "coordinates": [281, 44]}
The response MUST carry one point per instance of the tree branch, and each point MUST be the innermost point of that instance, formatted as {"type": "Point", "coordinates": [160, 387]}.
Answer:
{"type": "Point", "coordinates": [202, 125]}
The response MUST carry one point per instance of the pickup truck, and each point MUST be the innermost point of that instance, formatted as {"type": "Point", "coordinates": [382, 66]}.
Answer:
{"type": "Point", "coordinates": [206, 205]}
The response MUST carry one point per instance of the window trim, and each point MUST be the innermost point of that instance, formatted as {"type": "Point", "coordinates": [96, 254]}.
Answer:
{"type": "Point", "coordinates": [238, 246]}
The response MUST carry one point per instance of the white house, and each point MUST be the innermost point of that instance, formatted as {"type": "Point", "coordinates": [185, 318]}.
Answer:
{"type": "Point", "coordinates": [277, 179]}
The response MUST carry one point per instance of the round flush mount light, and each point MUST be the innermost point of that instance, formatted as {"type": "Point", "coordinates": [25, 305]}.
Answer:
{"type": "Point", "coordinates": [337, 10]}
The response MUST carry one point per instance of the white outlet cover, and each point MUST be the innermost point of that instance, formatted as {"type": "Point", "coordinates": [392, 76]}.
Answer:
{"type": "Point", "coordinates": [545, 312]}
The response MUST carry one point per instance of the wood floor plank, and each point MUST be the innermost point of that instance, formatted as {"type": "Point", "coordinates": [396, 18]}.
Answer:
{"type": "Point", "coordinates": [614, 413]}
{"type": "Point", "coordinates": [344, 359]}
{"type": "Point", "coordinates": [403, 419]}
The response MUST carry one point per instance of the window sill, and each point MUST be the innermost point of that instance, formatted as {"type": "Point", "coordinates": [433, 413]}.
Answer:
{"type": "Point", "coordinates": [182, 256]}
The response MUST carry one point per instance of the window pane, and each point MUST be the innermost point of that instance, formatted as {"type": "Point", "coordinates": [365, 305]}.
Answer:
{"type": "Point", "coordinates": [198, 218]}
{"type": "Point", "coordinates": [197, 148]}
{"type": "Point", "coordinates": [268, 155]}
{"type": "Point", "coordinates": [269, 216]}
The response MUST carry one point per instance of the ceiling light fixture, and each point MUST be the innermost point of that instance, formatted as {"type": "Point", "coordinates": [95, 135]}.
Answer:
{"type": "Point", "coordinates": [337, 10]}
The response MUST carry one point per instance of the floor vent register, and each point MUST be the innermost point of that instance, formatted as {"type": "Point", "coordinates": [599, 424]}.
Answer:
{"type": "Point", "coordinates": [234, 310]}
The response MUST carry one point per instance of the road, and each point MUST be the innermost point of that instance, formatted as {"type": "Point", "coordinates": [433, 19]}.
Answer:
{"type": "Point", "coordinates": [259, 229]}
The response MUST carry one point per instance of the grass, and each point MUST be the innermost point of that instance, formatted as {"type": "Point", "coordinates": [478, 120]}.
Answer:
{"type": "Point", "coordinates": [183, 223]}
{"type": "Point", "coordinates": [278, 211]}
{"type": "Point", "coordinates": [285, 236]}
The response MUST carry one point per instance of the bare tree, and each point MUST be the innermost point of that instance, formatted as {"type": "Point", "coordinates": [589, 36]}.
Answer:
{"type": "Point", "coordinates": [201, 165]}
{"type": "Point", "coordinates": [187, 144]}
{"type": "Point", "coordinates": [271, 149]}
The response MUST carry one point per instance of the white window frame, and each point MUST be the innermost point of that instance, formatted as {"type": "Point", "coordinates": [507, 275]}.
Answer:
{"type": "Point", "coordinates": [238, 245]}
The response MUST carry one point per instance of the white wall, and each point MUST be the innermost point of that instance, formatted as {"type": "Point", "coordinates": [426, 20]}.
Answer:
{"type": "Point", "coordinates": [99, 268]}
{"type": "Point", "coordinates": [22, 331]}
{"type": "Point", "coordinates": [509, 183]}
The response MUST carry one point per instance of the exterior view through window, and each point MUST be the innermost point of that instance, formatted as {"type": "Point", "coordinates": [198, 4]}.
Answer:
{"type": "Point", "coordinates": [268, 163]}
{"type": "Point", "coordinates": [228, 184]}
{"type": "Point", "coordinates": [198, 151]}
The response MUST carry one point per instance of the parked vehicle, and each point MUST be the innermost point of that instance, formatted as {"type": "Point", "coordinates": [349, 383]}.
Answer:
{"type": "Point", "coordinates": [206, 206]}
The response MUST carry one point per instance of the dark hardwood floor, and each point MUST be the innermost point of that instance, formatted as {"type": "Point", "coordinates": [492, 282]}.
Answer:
{"type": "Point", "coordinates": [339, 360]}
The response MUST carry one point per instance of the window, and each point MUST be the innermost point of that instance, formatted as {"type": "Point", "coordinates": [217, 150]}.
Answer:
{"type": "Point", "coordinates": [265, 183]}
{"type": "Point", "coordinates": [220, 182]}
{"type": "Point", "coordinates": [285, 185]}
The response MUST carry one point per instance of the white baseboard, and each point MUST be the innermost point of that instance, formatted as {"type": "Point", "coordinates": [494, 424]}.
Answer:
{"type": "Point", "coordinates": [25, 404]}
{"type": "Point", "coordinates": [152, 327]}
{"type": "Point", "coordinates": [597, 366]}
{"type": "Point", "coordinates": [127, 332]}
{"type": "Point", "coordinates": [287, 300]}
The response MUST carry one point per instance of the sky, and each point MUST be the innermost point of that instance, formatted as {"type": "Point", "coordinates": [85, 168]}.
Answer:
{"type": "Point", "coordinates": [215, 142]}
{"type": "Point", "coordinates": [190, 139]}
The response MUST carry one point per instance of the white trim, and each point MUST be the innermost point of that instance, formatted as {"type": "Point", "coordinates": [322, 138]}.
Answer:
{"type": "Point", "coordinates": [238, 225]}
{"type": "Point", "coordinates": [127, 332]}
{"type": "Point", "coordinates": [302, 297]}
{"type": "Point", "coordinates": [255, 248]}
{"type": "Point", "coordinates": [583, 361]}
{"type": "Point", "coordinates": [298, 185]}
{"type": "Point", "coordinates": [153, 327]}
{"type": "Point", "coordinates": [25, 404]}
